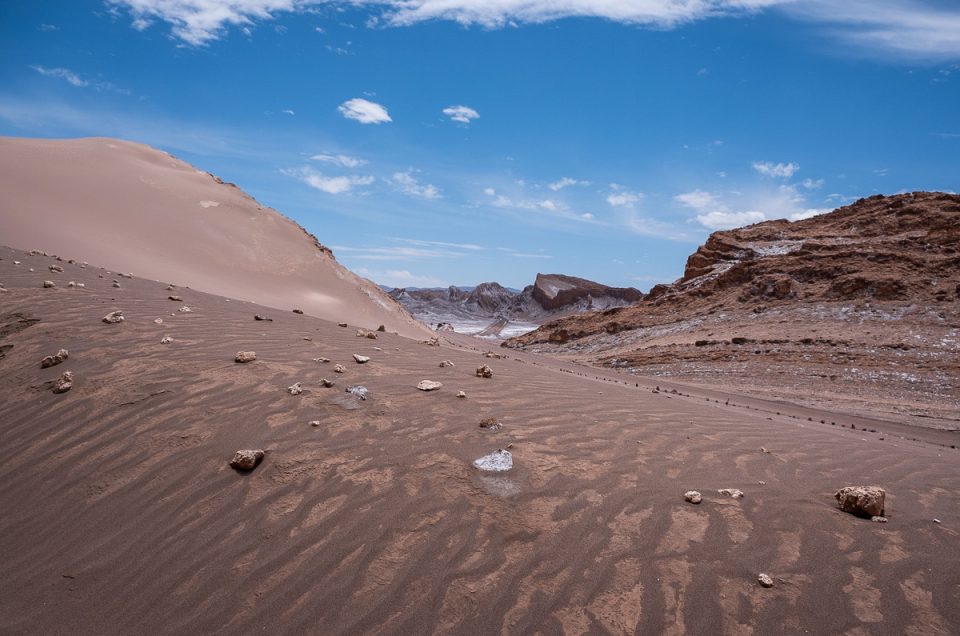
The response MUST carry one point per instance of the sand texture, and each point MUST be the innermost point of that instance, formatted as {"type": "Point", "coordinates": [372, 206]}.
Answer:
{"type": "Point", "coordinates": [122, 516]}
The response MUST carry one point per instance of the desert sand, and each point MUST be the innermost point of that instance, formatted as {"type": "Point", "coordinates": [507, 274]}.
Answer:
{"type": "Point", "coordinates": [122, 515]}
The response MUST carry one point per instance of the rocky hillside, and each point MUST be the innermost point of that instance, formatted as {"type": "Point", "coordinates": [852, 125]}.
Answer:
{"type": "Point", "coordinates": [873, 287]}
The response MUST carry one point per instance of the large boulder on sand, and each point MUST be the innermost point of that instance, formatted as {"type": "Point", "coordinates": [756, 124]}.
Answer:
{"type": "Point", "coordinates": [245, 356]}
{"type": "Point", "coordinates": [862, 501]}
{"type": "Point", "coordinates": [246, 459]}
{"type": "Point", "coordinates": [428, 385]}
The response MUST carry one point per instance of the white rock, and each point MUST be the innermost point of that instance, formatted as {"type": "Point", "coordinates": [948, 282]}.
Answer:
{"type": "Point", "coordinates": [358, 391]}
{"type": "Point", "coordinates": [64, 383]}
{"type": "Point", "coordinates": [765, 580]}
{"type": "Point", "coordinates": [158, 321]}
{"type": "Point", "coordinates": [361, 359]}
{"type": "Point", "coordinates": [692, 496]}
{"type": "Point", "coordinates": [295, 389]}
{"type": "Point", "coordinates": [878, 519]}
{"type": "Point", "coordinates": [113, 317]}
{"type": "Point", "coordinates": [498, 461]}
{"type": "Point", "coordinates": [730, 492]}
{"type": "Point", "coordinates": [484, 372]}
{"type": "Point", "coordinates": [428, 385]}
{"type": "Point", "coordinates": [246, 356]}
{"type": "Point", "coordinates": [185, 310]}
{"type": "Point", "coordinates": [339, 368]}
{"type": "Point", "coordinates": [47, 284]}
{"type": "Point", "coordinates": [461, 394]}
{"type": "Point", "coordinates": [314, 423]}
{"type": "Point", "coordinates": [166, 340]}
{"type": "Point", "coordinates": [447, 363]}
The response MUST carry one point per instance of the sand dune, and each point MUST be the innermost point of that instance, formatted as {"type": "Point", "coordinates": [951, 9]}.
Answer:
{"type": "Point", "coordinates": [121, 515]}
{"type": "Point", "coordinates": [140, 210]}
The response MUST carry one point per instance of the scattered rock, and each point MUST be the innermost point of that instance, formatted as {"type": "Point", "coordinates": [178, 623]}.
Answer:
{"type": "Point", "coordinates": [262, 317]}
{"type": "Point", "coordinates": [298, 311]}
{"type": "Point", "coordinates": [55, 268]}
{"type": "Point", "coordinates": [484, 372]}
{"type": "Point", "coordinates": [166, 340]}
{"type": "Point", "coordinates": [72, 284]}
{"type": "Point", "coordinates": [326, 383]}
{"type": "Point", "coordinates": [54, 360]}
{"type": "Point", "coordinates": [47, 284]}
{"type": "Point", "coordinates": [246, 459]}
{"type": "Point", "coordinates": [246, 356]}
{"type": "Point", "coordinates": [937, 521]}
{"type": "Point", "coordinates": [498, 461]}
{"type": "Point", "coordinates": [429, 385]}
{"type": "Point", "coordinates": [358, 390]}
{"type": "Point", "coordinates": [878, 519]}
{"type": "Point", "coordinates": [185, 310]}
{"type": "Point", "coordinates": [339, 368]}
{"type": "Point", "coordinates": [64, 383]}
{"type": "Point", "coordinates": [862, 501]}
{"type": "Point", "coordinates": [765, 580]}
{"type": "Point", "coordinates": [382, 328]}
{"type": "Point", "coordinates": [321, 359]}
{"type": "Point", "coordinates": [447, 363]}
{"type": "Point", "coordinates": [491, 424]}
{"type": "Point", "coordinates": [116, 284]}
{"type": "Point", "coordinates": [461, 394]}
{"type": "Point", "coordinates": [314, 423]}
{"type": "Point", "coordinates": [341, 324]}
{"type": "Point", "coordinates": [692, 496]}
{"type": "Point", "coordinates": [731, 492]}
{"type": "Point", "coordinates": [295, 389]}
{"type": "Point", "coordinates": [491, 354]}
{"type": "Point", "coordinates": [361, 359]}
{"type": "Point", "coordinates": [433, 342]}
{"type": "Point", "coordinates": [113, 317]}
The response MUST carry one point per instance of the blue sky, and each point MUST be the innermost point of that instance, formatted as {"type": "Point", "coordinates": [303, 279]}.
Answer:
{"type": "Point", "coordinates": [434, 142]}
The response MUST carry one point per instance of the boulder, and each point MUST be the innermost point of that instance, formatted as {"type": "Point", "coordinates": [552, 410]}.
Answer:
{"type": "Point", "coordinates": [862, 501]}
{"type": "Point", "coordinates": [692, 496]}
{"type": "Point", "coordinates": [54, 360]}
{"type": "Point", "coordinates": [113, 317]}
{"type": "Point", "coordinates": [55, 268]}
{"type": "Point", "coordinates": [246, 356]}
{"type": "Point", "coordinates": [295, 389]}
{"type": "Point", "coordinates": [484, 372]}
{"type": "Point", "coordinates": [765, 580]}
{"type": "Point", "coordinates": [429, 385]}
{"type": "Point", "coordinates": [298, 311]}
{"type": "Point", "coordinates": [246, 459]}
{"type": "Point", "coordinates": [47, 284]}
{"type": "Point", "coordinates": [339, 368]}
{"type": "Point", "coordinates": [64, 383]}
{"type": "Point", "coordinates": [341, 324]}
{"type": "Point", "coordinates": [358, 391]}
{"type": "Point", "coordinates": [382, 328]}
{"type": "Point", "coordinates": [361, 359]}
{"type": "Point", "coordinates": [498, 461]}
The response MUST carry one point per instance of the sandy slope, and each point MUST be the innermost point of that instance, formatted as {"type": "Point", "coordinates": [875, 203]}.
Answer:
{"type": "Point", "coordinates": [141, 210]}
{"type": "Point", "coordinates": [121, 515]}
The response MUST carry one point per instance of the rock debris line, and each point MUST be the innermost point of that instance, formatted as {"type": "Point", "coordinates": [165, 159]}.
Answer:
{"type": "Point", "coordinates": [246, 459]}
{"type": "Point", "coordinates": [730, 492]}
{"type": "Point", "coordinates": [765, 580]}
{"type": "Point", "coordinates": [113, 317]}
{"type": "Point", "coordinates": [245, 356]}
{"type": "Point", "coordinates": [484, 372]}
{"type": "Point", "coordinates": [52, 361]}
{"type": "Point", "coordinates": [295, 389]}
{"type": "Point", "coordinates": [498, 461]}
{"type": "Point", "coordinates": [326, 383]}
{"type": "Point", "coordinates": [692, 496]}
{"type": "Point", "coordinates": [361, 359]}
{"type": "Point", "coordinates": [429, 385]}
{"type": "Point", "coordinates": [64, 383]}
{"type": "Point", "coordinates": [447, 363]}
{"type": "Point", "coordinates": [339, 369]}
{"type": "Point", "coordinates": [862, 501]}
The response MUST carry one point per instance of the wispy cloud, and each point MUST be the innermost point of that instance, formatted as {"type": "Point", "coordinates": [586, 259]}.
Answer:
{"type": "Point", "coordinates": [402, 252]}
{"type": "Point", "coordinates": [715, 213]}
{"type": "Point", "coordinates": [344, 161]}
{"type": "Point", "coordinates": [406, 183]}
{"type": "Point", "coordinates": [566, 182]}
{"type": "Point", "coordinates": [364, 111]}
{"type": "Point", "coordinates": [76, 80]}
{"type": "Point", "coordinates": [423, 243]}
{"type": "Point", "coordinates": [621, 197]}
{"type": "Point", "coordinates": [288, 111]}
{"type": "Point", "coordinates": [778, 170]}
{"type": "Point", "coordinates": [400, 278]}
{"type": "Point", "coordinates": [461, 114]}
{"type": "Point", "coordinates": [341, 184]}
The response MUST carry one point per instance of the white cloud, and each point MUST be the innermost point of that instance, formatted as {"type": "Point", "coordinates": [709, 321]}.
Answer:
{"type": "Point", "coordinates": [331, 185]}
{"type": "Point", "coordinates": [713, 212]}
{"type": "Point", "coordinates": [809, 213]}
{"type": "Point", "coordinates": [552, 207]}
{"type": "Point", "coordinates": [420, 242]}
{"type": "Point", "coordinates": [698, 200]}
{"type": "Point", "coordinates": [779, 170]}
{"type": "Point", "coordinates": [287, 111]}
{"type": "Point", "coordinates": [400, 278]}
{"type": "Point", "coordinates": [461, 114]}
{"type": "Point", "coordinates": [566, 182]}
{"type": "Point", "coordinates": [621, 197]}
{"type": "Point", "coordinates": [401, 252]}
{"type": "Point", "coordinates": [406, 183]}
{"type": "Point", "coordinates": [925, 29]}
{"type": "Point", "coordinates": [65, 74]}
{"type": "Point", "coordinates": [344, 161]}
{"type": "Point", "coordinates": [725, 219]}
{"type": "Point", "coordinates": [811, 184]}
{"type": "Point", "coordinates": [364, 111]}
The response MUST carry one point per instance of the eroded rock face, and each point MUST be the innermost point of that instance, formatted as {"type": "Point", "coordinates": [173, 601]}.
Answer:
{"type": "Point", "coordinates": [113, 317]}
{"type": "Point", "coordinates": [245, 356]}
{"type": "Point", "coordinates": [246, 459]}
{"type": "Point", "coordinates": [862, 501]}
{"type": "Point", "coordinates": [484, 372]}
{"type": "Point", "coordinates": [429, 385]}
{"type": "Point", "coordinates": [64, 383]}
{"type": "Point", "coordinates": [54, 360]}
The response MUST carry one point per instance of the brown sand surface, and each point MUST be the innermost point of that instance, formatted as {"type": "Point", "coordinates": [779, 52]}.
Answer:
{"type": "Point", "coordinates": [121, 515]}
{"type": "Point", "coordinates": [140, 210]}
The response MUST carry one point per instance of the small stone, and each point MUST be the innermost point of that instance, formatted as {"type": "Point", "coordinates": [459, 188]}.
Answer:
{"type": "Point", "coordinates": [382, 328]}
{"type": "Point", "coordinates": [491, 424]}
{"type": "Point", "coordinates": [765, 581]}
{"type": "Point", "coordinates": [692, 496]}
{"type": "Point", "coordinates": [321, 359]}
{"type": "Point", "coordinates": [81, 285]}
{"type": "Point", "coordinates": [47, 284]}
{"type": "Point", "coordinates": [185, 310]}
{"type": "Point", "coordinates": [116, 284]}
{"type": "Point", "coordinates": [361, 359]}
{"type": "Point", "coordinates": [731, 492]}
{"type": "Point", "coordinates": [461, 394]}
{"type": "Point", "coordinates": [158, 321]}
{"type": "Point", "coordinates": [175, 298]}
{"type": "Point", "coordinates": [166, 340]}
{"type": "Point", "coordinates": [484, 372]}
{"type": "Point", "coordinates": [862, 501]}
{"type": "Point", "coordinates": [339, 368]}
{"type": "Point", "coordinates": [314, 423]}
{"type": "Point", "coordinates": [169, 287]}
{"type": "Point", "coordinates": [72, 284]}
{"type": "Point", "coordinates": [341, 324]}
{"type": "Point", "coordinates": [295, 389]}
{"type": "Point", "coordinates": [246, 356]}
{"type": "Point", "coordinates": [298, 311]}
{"type": "Point", "coordinates": [54, 360]}
{"type": "Point", "coordinates": [308, 338]}
{"type": "Point", "coordinates": [498, 461]}
{"type": "Point", "coordinates": [878, 519]}
{"type": "Point", "coordinates": [378, 349]}
{"type": "Point", "coordinates": [246, 459]}
{"type": "Point", "coordinates": [937, 521]}
{"type": "Point", "coordinates": [55, 268]}
{"type": "Point", "coordinates": [428, 385]}
{"type": "Point", "coordinates": [64, 383]}
{"type": "Point", "coordinates": [16, 262]}
{"type": "Point", "coordinates": [113, 317]}
{"type": "Point", "coordinates": [326, 383]}
{"type": "Point", "coordinates": [262, 317]}
{"type": "Point", "coordinates": [447, 363]}
{"type": "Point", "coordinates": [359, 391]}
